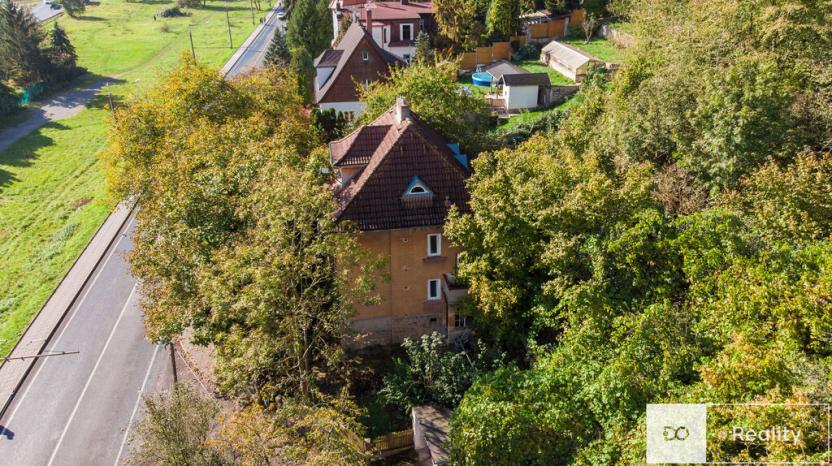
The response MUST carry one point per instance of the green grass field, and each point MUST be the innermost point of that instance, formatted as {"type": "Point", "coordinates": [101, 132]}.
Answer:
{"type": "Point", "coordinates": [52, 196]}
{"type": "Point", "coordinates": [535, 66]}
{"type": "Point", "coordinates": [598, 47]}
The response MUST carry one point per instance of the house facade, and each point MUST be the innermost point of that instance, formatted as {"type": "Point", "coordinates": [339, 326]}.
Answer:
{"type": "Point", "coordinates": [356, 60]}
{"type": "Point", "coordinates": [394, 25]}
{"type": "Point", "coordinates": [398, 179]}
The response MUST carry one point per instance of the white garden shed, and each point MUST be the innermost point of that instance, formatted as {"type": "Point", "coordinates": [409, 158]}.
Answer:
{"type": "Point", "coordinates": [568, 61]}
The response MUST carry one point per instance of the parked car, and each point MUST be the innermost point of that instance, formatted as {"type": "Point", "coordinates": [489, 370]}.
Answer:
{"type": "Point", "coordinates": [281, 13]}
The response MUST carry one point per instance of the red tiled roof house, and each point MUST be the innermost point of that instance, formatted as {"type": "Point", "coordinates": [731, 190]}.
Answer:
{"type": "Point", "coordinates": [394, 24]}
{"type": "Point", "coordinates": [398, 178]}
{"type": "Point", "coordinates": [355, 61]}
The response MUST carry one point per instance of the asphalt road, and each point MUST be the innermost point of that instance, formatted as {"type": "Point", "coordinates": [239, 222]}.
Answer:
{"type": "Point", "coordinates": [78, 408]}
{"type": "Point", "coordinates": [42, 11]}
{"type": "Point", "coordinates": [255, 54]}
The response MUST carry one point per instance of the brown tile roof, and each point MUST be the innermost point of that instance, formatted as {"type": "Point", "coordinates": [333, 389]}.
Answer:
{"type": "Point", "coordinates": [341, 54]}
{"type": "Point", "coordinates": [374, 200]}
{"type": "Point", "coordinates": [357, 147]}
{"type": "Point", "coordinates": [386, 11]}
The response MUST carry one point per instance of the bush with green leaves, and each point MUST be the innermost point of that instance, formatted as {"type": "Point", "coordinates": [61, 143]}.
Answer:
{"type": "Point", "coordinates": [9, 100]}
{"type": "Point", "coordinates": [434, 374]}
{"type": "Point", "coordinates": [172, 12]}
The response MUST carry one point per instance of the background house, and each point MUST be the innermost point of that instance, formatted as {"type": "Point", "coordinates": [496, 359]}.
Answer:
{"type": "Point", "coordinates": [355, 61]}
{"type": "Point", "coordinates": [398, 178]}
{"type": "Point", "coordinates": [394, 24]}
{"type": "Point", "coordinates": [568, 61]}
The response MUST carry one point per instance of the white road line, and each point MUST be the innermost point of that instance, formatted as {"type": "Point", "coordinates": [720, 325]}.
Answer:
{"type": "Point", "coordinates": [75, 310]}
{"type": "Point", "coordinates": [136, 405]}
{"type": "Point", "coordinates": [89, 379]}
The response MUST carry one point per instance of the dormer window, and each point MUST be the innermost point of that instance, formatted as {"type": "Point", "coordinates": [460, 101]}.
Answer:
{"type": "Point", "coordinates": [417, 188]}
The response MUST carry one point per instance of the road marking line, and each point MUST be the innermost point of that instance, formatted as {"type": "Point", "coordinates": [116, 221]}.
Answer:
{"type": "Point", "coordinates": [74, 311]}
{"type": "Point", "coordinates": [92, 374]}
{"type": "Point", "coordinates": [136, 405]}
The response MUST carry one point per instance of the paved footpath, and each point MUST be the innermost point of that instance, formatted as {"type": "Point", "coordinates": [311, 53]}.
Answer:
{"type": "Point", "coordinates": [58, 107]}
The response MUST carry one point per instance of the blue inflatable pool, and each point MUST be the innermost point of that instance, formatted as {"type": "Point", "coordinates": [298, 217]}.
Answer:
{"type": "Point", "coordinates": [482, 79]}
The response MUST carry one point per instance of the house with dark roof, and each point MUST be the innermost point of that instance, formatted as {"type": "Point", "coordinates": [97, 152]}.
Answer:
{"type": "Point", "coordinates": [393, 24]}
{"type": "Point", "coordinates": [356, 60]}
{"type": "Point", "coordinates": [517, 89]}
{"type": "Point", "coordinates": [397, 180]}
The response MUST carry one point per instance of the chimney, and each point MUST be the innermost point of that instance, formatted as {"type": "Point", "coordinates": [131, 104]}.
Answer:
{"type": "Point", "coordinates": [369, 23]}
{"type": "Point", "coordinates": [402, 110]}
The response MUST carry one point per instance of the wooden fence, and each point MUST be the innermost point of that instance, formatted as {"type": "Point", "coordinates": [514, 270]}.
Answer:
{"type": "Point", "coordinates": [489, 54]}
{"type": "Point", "coordinates": [553, 29]}
{"type": "Point", "coordinates": [386, 444]}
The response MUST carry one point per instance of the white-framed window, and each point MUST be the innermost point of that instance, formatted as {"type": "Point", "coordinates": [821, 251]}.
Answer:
{"type": "Point", "coordinates": [349, 116]}
{"type": "Point", "coordinates": [434, 245]}
{"type": "Point", "coordinates": [460, 321]}
{"type": "Point", "coordinates": [365, 55]}
{"type": "Point", "coordinates": [406, 31]}
{"type": "Point", "coordinates": [433, 289]}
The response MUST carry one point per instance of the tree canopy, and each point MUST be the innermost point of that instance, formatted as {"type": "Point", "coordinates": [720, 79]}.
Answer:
{"type": "Point", "coordinates": [668, 243]}
{"type": "Point", "coordinates": [435, 97]}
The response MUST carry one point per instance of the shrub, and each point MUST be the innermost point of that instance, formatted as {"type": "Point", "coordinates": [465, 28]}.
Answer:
{"type": "Point", "coordinates": [9, 101]}
{"type": "Point", "coordinates": [526, 52]}
{"type": "Point", "coordinates": [172, 12]}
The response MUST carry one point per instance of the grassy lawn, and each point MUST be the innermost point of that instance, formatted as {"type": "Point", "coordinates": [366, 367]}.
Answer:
{"type": "Point", "coordinates": [598, 47]}
{"type": "Point", "coordinates": [51, 186]}
{"type": "Point", "coordinates": [534, 115]}
{"type": "Point", "coordinates": [535, 66]}
{"type": "Point", "coordinates": [464, 81]}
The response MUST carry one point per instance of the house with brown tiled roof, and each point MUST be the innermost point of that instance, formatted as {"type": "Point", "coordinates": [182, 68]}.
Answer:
{"type": "Point", "coordinates": [356, 60]}
{"type": "Point", "coordinates": [394, 25]}
{"type": "Point", "coordinates": [397, 181]}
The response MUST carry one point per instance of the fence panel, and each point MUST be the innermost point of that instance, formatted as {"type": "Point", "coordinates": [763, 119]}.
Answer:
{"type": "Point", "coordinates": [556, 28]}
{"type": "Point", "coordinates": [468, 60]}
{"type": "Point", "coordinates": [483, 55]}
{"type": "Point", "coordinates": [501, 51]}
{"type": "Point", "coordinates": [393, 441]}
{"type": "Point", "coordinates": [539, 31]}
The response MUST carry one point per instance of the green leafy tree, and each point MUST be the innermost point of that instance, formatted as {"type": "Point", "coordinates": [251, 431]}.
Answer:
{"type": "Point", "coordinates": [73, 7]}
{"type": "Point", "coordinates": [424, 51]}
{"type": "Point", "coordinates": [503, 20]}
{"type": "Point", "coordinates": [9, 100]}
{"type": "Point", "coordinates": [434, 97]}
{"type": "Point", "coordinates": [304, 71]}
{"type": "Point", "coordinates": [21, 55]}
{"type": "Point", "coordinates": [235, 237]}
{"type": "Point", "coordinates": [278, 53]}
{"type": "Point", "coordinates": [310, 26]}
{"type": "Point", "coordinates": [432, 373]}
{"type": "Point", "coordinates": [61, 48]}
{"type": "Point", "coordinates": [460, 22]}
{"type": "Point", "coordinates": [175, 430]}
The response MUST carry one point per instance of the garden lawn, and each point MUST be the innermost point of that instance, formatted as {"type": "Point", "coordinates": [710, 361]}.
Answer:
{"type": "Point", "coordinates": [598, 47]}
{"type": "Point", "coordinates": [535, 66]}
{"type": "Point", "coordinates": [52, 197]}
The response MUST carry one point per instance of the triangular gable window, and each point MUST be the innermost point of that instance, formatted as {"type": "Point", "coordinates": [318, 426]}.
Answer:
{"type": "Point", "coordinates": [417, 187]}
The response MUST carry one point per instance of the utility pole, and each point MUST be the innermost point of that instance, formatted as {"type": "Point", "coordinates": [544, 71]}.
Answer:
{"type": "Point", "coordinates": [173, 363]}
{"type": "Point", "coordinates": [251, 7]}
{"type": "Point", "coordinates": [191, 36]}
{"type": "Point", "coordinates": [228, 21]}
